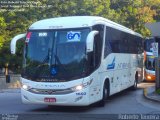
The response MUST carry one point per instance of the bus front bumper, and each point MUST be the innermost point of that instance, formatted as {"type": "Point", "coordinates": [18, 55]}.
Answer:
{"type": "Point", "coordinates": [78, 98]}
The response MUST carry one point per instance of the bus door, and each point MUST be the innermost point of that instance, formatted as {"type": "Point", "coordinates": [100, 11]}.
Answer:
{"type": "Point", "coordinates": [96, 60]}
{"type": "Point", "coordinates": [111, 60]}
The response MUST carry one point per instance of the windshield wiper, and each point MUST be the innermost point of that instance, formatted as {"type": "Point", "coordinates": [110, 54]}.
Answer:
{"type": "Point", "coordinates": [48, 57]}
{"type": "Point", "coordinates": [58, 61]}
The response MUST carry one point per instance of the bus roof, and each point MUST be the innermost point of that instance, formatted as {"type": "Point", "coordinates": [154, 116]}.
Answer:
{"type": "Point", "coordinates": [77, 22]}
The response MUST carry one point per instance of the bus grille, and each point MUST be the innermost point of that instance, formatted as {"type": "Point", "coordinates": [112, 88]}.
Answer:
{"type": "Point", "coordinates": [51, 91]}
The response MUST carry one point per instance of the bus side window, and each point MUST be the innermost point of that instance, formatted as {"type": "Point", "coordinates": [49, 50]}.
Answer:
{"type": "Point", "coordinates": [108, 47]}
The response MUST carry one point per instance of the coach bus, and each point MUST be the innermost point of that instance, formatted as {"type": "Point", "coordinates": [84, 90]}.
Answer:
{"type": "Point", "coordinates": [77, 60]}
{"type": "Point", "coordinates": [149, 60]}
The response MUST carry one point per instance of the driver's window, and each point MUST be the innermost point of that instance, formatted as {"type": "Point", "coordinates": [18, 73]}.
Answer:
{"type": "Point", "coordinates": [98, 41]}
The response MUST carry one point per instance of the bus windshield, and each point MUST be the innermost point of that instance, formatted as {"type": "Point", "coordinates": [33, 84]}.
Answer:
{"type": "Point", "coordinates": [55, 55]}
{"type": "Point", "coordinates": [149, 45]}
{"type": "Point", "coordinates": [150, 63]}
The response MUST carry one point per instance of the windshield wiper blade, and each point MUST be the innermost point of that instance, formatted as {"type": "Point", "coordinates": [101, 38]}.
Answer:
{"type": "Point", "coordinates": [59, 62]}
{"type": "Point", "coordinates": [48, 57]}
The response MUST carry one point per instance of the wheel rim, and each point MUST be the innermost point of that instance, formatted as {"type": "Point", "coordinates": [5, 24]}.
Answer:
{"type": "Point", "coordinates": [135, 84]}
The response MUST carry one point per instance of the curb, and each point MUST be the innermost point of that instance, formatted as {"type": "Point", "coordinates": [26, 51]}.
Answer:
{"type": "Point", "coordinates": [145, 94]}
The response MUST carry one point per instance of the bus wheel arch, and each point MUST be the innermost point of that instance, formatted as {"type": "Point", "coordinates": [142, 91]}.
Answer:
{"type": "Point", "coordinates": [134, 87]}
{"type": "Point", "coordinates": [107, 83]}
{"type": "Point", "coordinates": [106, 93]}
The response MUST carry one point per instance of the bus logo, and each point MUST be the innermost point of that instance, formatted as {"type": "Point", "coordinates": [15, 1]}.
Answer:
{"type": "Point", "coordinates": [73, 36]}
{"type": "Point", "coordinates": [112, 65]}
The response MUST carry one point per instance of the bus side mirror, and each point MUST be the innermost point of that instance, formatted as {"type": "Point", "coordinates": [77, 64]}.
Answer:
{"type": "Point", "coordinates": [13, 42]}
{"type": "Point", "coordinates": [90, 41]}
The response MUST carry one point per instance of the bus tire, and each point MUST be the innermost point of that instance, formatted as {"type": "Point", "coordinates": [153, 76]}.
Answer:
{"type": "Point", "coordinates": [134, 87]}
{"type": "Point", "coordinates": [102, 102]}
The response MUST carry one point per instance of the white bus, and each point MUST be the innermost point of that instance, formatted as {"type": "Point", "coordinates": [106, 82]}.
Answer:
{"type": "Point", "coordinates": [77, 60]}
{"type": "Point", "coordinates": [149, 60]}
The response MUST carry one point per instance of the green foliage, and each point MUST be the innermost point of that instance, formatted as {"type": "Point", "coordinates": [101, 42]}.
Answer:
{"type": "Point", "coordinates": [131, 13]}
{"type": "Point", "coordinates": [135, 13]}
{"type": "Point", "coordinates": [158, 91]}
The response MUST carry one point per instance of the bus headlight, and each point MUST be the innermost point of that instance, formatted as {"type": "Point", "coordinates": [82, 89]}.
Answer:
{"type": "Point", "coordinates": [80, 87]}
{"type": "Point", "coordinates": [77, 88]}
{"type": "Point", "coordinates": [26, 87]}
{"type": "Point", "coordinates": [149, 77]}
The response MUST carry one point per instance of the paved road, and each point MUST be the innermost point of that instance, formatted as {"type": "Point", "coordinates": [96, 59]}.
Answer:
{"type": "Point", "coordinates": [126, 102]}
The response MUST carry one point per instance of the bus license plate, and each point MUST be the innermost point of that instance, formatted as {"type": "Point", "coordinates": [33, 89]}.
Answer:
{"type": "Point", "coordinates": [49, 99]}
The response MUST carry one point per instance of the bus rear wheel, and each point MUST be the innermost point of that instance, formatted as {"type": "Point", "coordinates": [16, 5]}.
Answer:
{"type": "Point", "coordinates": [134, 87]}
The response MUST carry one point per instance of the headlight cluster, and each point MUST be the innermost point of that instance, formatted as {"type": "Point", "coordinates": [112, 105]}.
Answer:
{"type": "Point", "coordinates": [26, 87]}
{"type": "Point", "coordinates": [75, 88]}
{"type": "Point", "coordinates": [80, 87]}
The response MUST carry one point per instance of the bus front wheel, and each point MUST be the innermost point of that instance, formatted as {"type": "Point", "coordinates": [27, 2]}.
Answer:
{"type": "Point", "coordinates": [105, 96]}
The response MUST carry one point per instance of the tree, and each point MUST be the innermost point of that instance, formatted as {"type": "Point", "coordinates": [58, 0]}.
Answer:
{"type": "Point", "coordinates": [135, 13]}
{"type": "Point", "coordinates": [2, 31]}
{"type": "Point", "coordinates": [130, 13]}
{"type": "Point", "coordinates": [15, 21]}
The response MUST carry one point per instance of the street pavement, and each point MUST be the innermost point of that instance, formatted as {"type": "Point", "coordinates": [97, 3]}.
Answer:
{"type": "Point", "coordinates": [117, 106]}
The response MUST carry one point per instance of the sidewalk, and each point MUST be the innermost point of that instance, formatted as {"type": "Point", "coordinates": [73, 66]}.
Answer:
{"type": "Point", "coordinates": [14, 83]}
{"type": "Point", "coordinates": [150, 94]}
{"type": "Point", "coordinates": [11, 90]}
